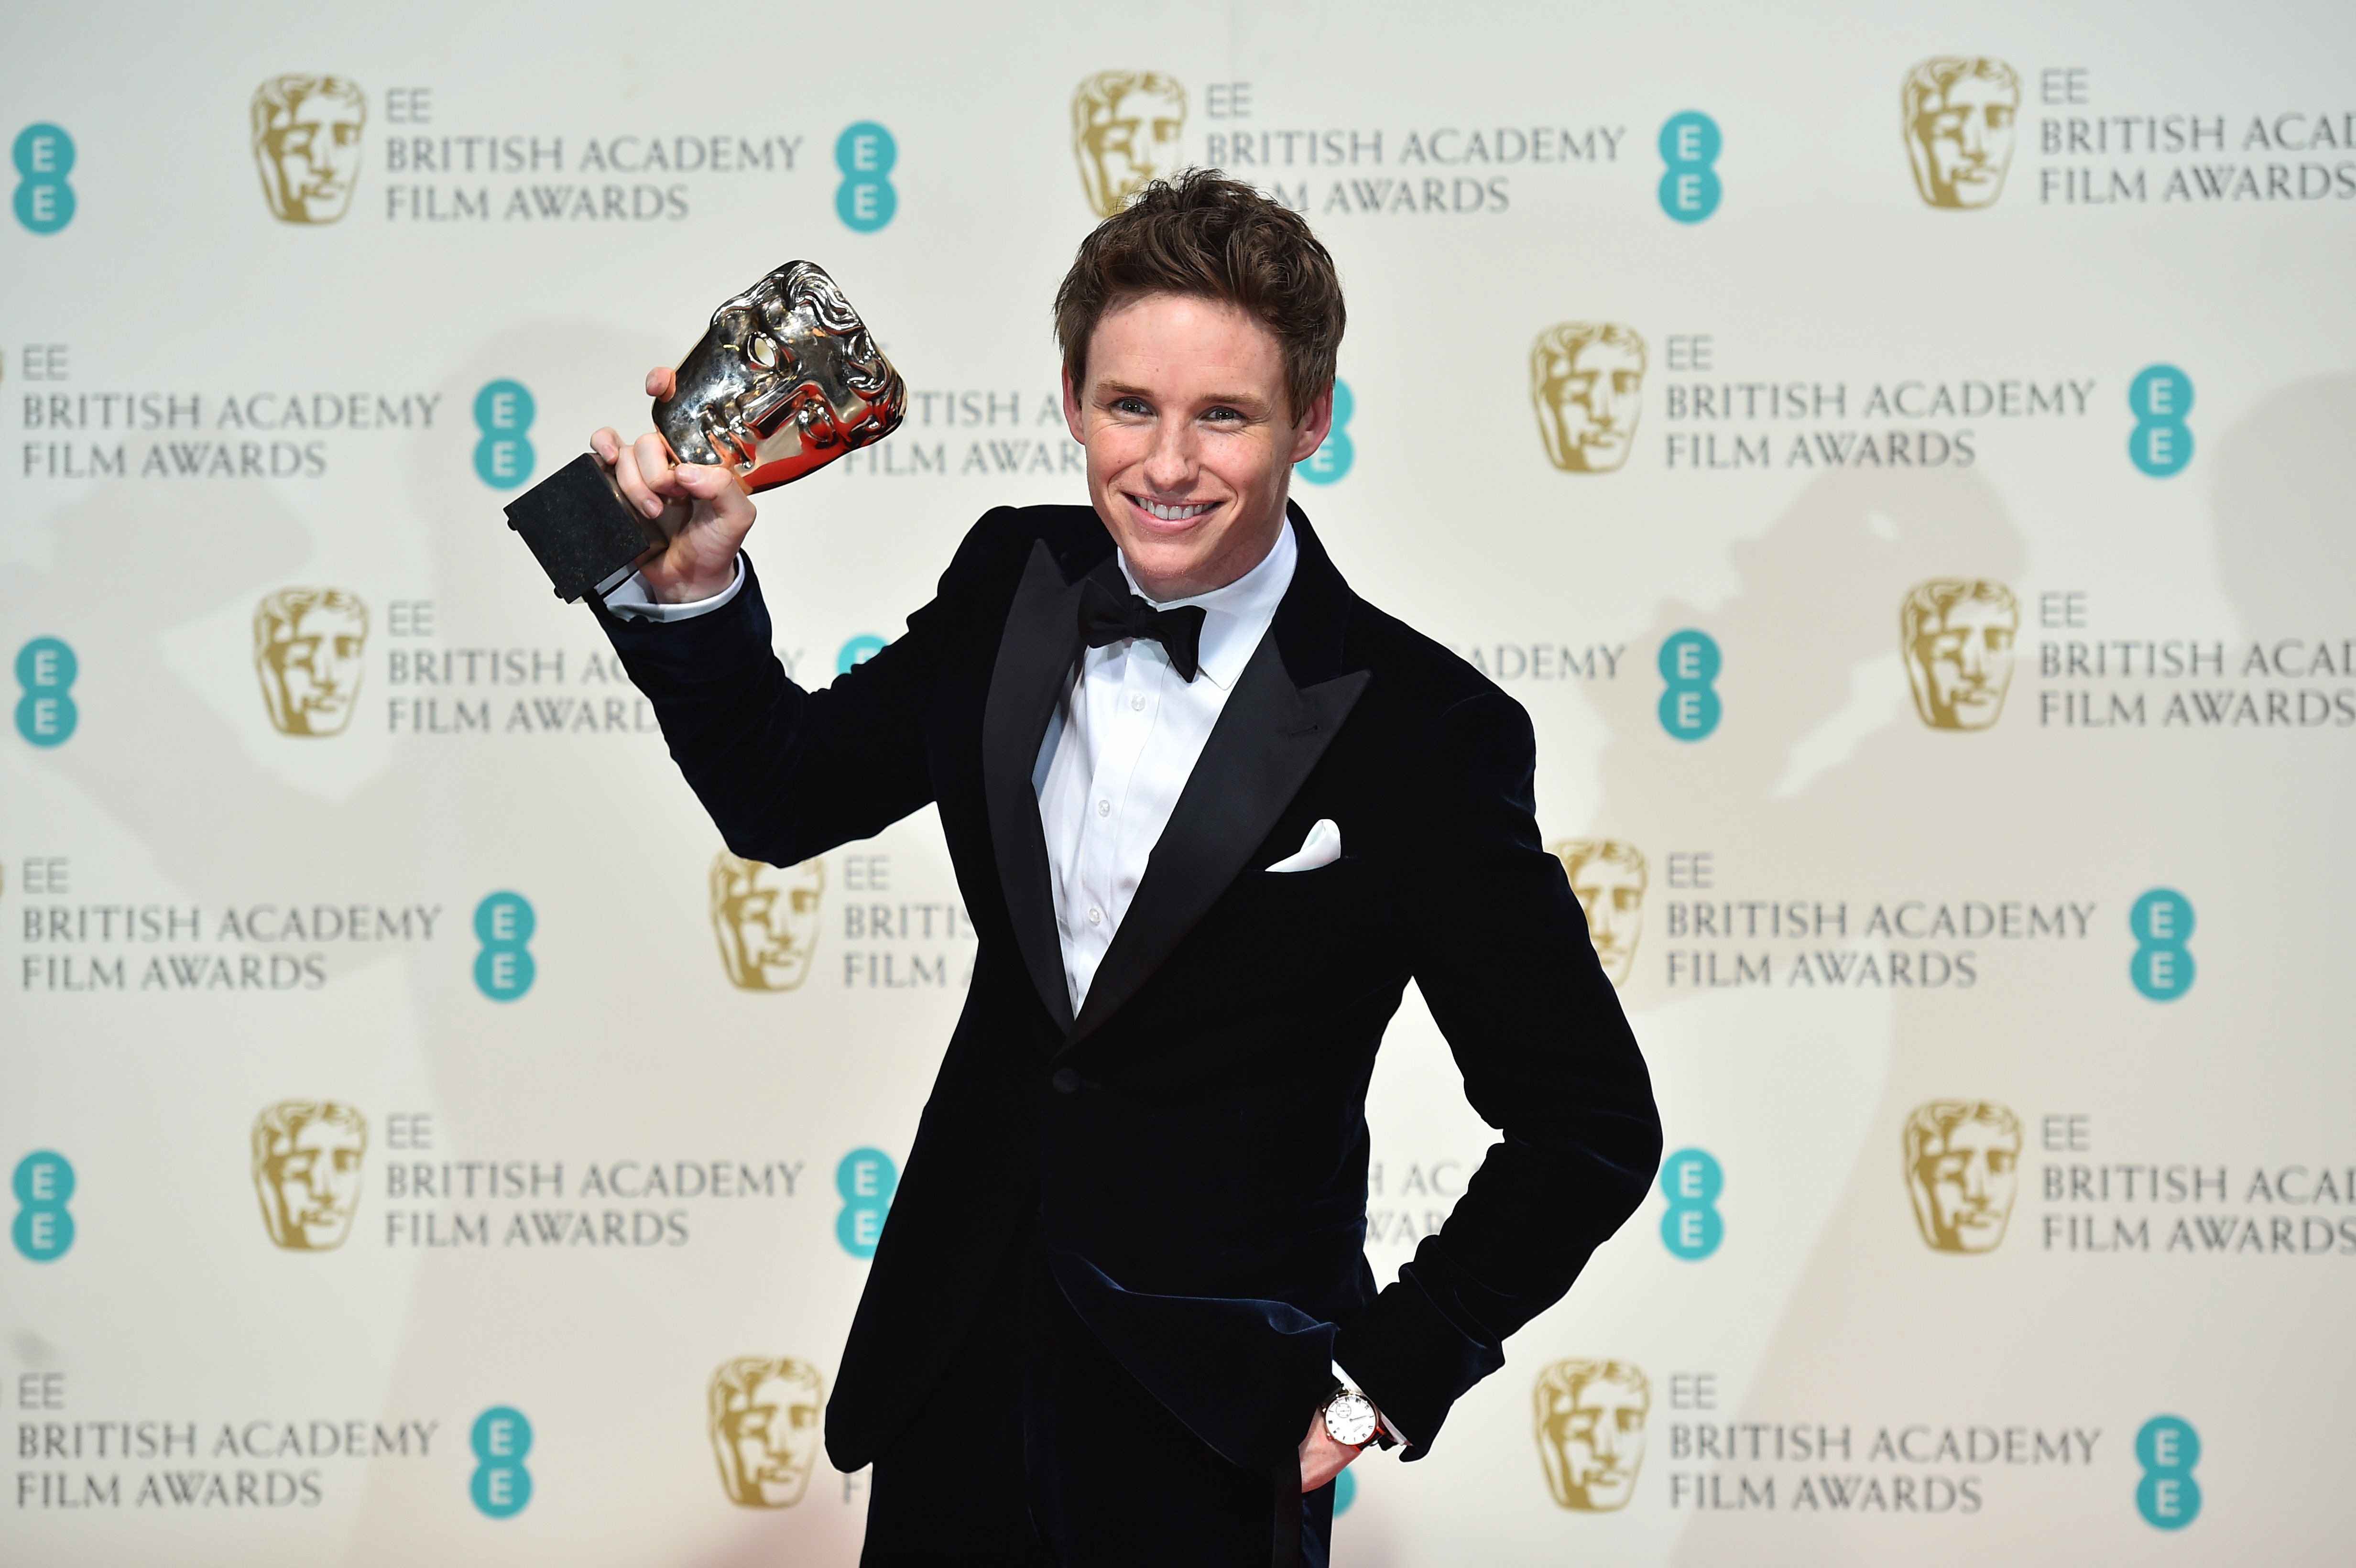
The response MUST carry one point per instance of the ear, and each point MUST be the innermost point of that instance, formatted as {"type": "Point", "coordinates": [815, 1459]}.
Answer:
{"type": "Point", "coordinates": [1072, 408]}
{"type": "Point", "coordinates": [1310, 433]}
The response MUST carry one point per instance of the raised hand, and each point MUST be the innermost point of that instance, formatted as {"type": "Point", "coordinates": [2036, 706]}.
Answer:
{"type": "Point", "coordinates": [701, 507]}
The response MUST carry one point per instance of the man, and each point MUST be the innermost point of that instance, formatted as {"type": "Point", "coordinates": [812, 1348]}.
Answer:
{"type": "Point", "coordinates": [1962, 1168]}
{"type": "Point", "coordinates": [1200, 799]}
{"type": "Point", "coordinates": [1957, 633]}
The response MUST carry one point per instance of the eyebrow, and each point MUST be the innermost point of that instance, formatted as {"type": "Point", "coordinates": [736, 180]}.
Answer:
{"type": "Point", "coordinates": [1122, 389]}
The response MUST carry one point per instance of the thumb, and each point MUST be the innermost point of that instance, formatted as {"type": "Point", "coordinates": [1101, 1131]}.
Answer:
{"type": "Point", "coordinates": [717, 487]}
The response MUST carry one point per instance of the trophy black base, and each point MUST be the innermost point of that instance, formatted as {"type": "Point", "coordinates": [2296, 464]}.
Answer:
{"type": "Point", "coordinates": [587, 536]}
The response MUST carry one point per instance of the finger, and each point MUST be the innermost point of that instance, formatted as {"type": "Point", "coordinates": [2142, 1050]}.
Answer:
{"type": "Point", "coordinates": [719, 487]}
{"type": "Point", "coordinates": [655, 466]}
{"type": "Point", "coordinates": [607, 445]}
{"type": "Point", "coordinates": [660, 381]}
{"type": "Point", "coordinates": [632, 483]}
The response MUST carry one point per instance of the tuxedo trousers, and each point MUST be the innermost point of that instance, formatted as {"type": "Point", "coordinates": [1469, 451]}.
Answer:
{"type": "Point", "coordinates": [1037, 1448]}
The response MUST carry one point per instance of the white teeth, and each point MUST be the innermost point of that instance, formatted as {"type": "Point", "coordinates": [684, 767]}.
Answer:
{"type": "Point", "coordinates": [1175, 514]}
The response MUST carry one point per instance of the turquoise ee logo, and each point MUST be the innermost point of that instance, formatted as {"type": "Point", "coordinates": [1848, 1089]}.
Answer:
{"type": "Point", "coordinates": [866, 1178]}
{"type": "Point", "coordinates": [1690, 663]}
{"type": "Point", "coordinates": [2159, 398]}
{"type": "Point", "coordinates": [1689, 145]}
{"type": "Point", "coordinates": [865, 153]}
{"type": "Point", "coordinates": [45, 156]}
{"type": "Point", "coordinates": [501, 1438]}
{"type": "Point", "coordinates": [1332, 460]}
{"type": "Point", "coordinates": [857, 651]}
{"type": "Point", "coordinates": [2167, 1497]}
{"type": "Point", "coordinates": [503, 411]}
{"type": "Point", "coordinates": [45, 1184]}
{"type": "Point", "coordinates": [1345, 1492]}
{"type": "Point", "coordinates": [2163, 966]}
{"type": "Point", "coordinates": [46, 714]}
{"type": "Point", "coordinates": [1691, 1181]}
{"type": "Point", "coordinates": [503, 924]}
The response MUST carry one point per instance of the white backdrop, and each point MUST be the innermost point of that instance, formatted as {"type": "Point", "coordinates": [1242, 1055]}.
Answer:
{"type": "Point", "coordinates": [554, 1156]}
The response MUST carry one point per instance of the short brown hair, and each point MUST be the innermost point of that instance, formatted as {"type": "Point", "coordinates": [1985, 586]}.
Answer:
{"type": "Point", "coordinates": [1206, 235]}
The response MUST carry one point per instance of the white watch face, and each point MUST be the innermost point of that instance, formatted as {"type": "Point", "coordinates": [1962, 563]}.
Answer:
{"type": "Point", "coordinates": [1350, 1418]}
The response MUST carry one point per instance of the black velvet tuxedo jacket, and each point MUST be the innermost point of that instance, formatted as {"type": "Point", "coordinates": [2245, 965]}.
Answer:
{"type": "Point", "coordinates": [1194, 1144]}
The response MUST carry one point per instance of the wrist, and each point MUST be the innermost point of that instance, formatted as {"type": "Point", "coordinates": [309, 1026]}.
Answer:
{"type": "Point", "coordinates": [671, 589]}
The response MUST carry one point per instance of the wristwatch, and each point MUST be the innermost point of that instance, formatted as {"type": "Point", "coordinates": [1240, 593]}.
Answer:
{"type": "Point", "coordinates": [1352, 1420]}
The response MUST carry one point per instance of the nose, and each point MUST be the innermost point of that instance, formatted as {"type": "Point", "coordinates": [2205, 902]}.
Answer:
{"type": "Point", "coordinates": [1974, 659]}
{"type": "Point", "coordinates": [1170, 465]}
{"type": "Point", "coordinates": [1975, 137]}
{"type": "Point", "coordinates": [1976, 1186]}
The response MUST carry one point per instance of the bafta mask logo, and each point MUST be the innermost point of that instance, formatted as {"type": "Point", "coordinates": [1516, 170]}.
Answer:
{"type": "Point", "coordinates": [767, 919]}
{"type": "Point", "coordinates": [306, 1172]}
{"type": "Point", "coordinates": [1608, 875]}
{"type": "Point", "coordinates": [1590, 1431]}
{"type": "Point", "coordinates": [766, 1415]}
{"type": "Point", "coordinates": [1125, 130]}
{"type": "Point", "coordinates": [1956, 634]}
{"type": "Point", "coordinates": [1963, 1167]}
{"type": "Point", "coordinates": [1587, 381]}
{"type": "Point", "coordinates": [1960, 110]}
{"type": "Point", "coordinates": [307, 144]}
{"type": "Point", "coordinates": [306, 648]}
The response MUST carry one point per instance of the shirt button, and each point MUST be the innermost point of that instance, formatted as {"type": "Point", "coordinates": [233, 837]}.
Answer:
{"type": "Point", "coordinates": [1095, 916]}
{"type": "Point", "coordinates": [1066, 1080]}
{"type": "Point", "coordinates": [1137, 704]}
{"type": "Point", "coordinates": [1104, 808]}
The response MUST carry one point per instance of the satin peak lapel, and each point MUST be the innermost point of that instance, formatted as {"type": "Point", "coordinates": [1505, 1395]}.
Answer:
{"type": "Point", "coordinates": [1268, 736]}
{"type": "Point", "coordinates": [1033, 670]}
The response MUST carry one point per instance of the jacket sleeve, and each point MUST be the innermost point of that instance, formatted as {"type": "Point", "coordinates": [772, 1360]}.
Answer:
{"type": "Point", "coordinates": [787, 772]}
{"type": "Point", "coordinates": [1547, 1060]}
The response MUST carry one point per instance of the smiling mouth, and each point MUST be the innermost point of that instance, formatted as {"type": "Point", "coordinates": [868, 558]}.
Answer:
{"type": "Point", "coordinates": [1170, 512]}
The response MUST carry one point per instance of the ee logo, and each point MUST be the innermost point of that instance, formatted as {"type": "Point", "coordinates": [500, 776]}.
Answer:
{"type": "Point", "coordinates": [866, 1178]}
{"type": "Point", "coordinates": [857, 651]}
{"type": "Point", "coordinates": [2162, 967]}
{"type": "Point", "coordinates": [865, 153]}
{"type": "Point", "coordinates": [503, 411]}
{"type": "Point", "coordinates": [1332, 458]}
{"type": "Point", "coordinates": [45, 1184]}
{"type": "Point", "coordinates": [1691, 1181]}
{"type": "Point", "coordinates": [46, 714]}
{"type": "Point", "coordinates": [501, 1438]}
{"type": "Point", "coordinates": [1689, 663]}
{"type": "Point", "coordinates": [45, 156]}
{"type": "Point", "coordinates": [1689, 145]}
{"type": "Point", "coordinates": [2167, 1497]}
{"type": "Point", "coordinates": [2159, 398]}
{"type": "Point", "coordinates": [503, 924]}
{"type": "Point", "coordinates": [1345, 1492]}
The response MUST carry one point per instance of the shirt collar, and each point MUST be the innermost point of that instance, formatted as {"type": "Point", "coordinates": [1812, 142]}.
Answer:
{"type": "Point", "coordinates": [1234, 618]}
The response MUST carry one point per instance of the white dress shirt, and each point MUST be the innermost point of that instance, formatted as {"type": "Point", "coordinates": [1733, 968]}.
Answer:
{"type": "Point", "coordinates": [1120, 750]}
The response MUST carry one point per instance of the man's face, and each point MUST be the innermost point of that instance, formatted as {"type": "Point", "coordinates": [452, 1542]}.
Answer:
{"type": "Point", "coordinates": [315, 660]}
{"type": "Point", "coordinates": [316, 1181]}
{"type": "Point", "coordinates": [1964, 663]}
{"type": "Point", "coordinates": [770, 928]}
{"type": "Point", "coordinates": [769, 1442]}
{"type": "Point", "coordinates": [1592, 403]}
{"type": "Point", "coordinates": [1598, 1434]}
{"type": "Point", "coordinates": [1190, 444]}
{"type": "Point", "coordinates": [1969, 1180]}
{"type": "Point", "coordinates": [1965, 137]}
{"type": "Point", "coordinates": [315, 148]}
{"type": "Point", "coordinates": [1128, 141]}
{"type": "Point", "coordinates": [1612, 894]}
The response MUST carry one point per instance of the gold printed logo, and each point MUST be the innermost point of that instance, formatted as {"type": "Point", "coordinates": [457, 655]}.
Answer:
{"type": "Point", "coordinates": [306, 1172]}
{"type": "Point", "coordinates": [306, 144]}
{"type": "Point", "coordinates": [1962, 1168]}
{"type": "Point", "coordinates": [307, 643]}
{"type": "Point", "coordinates": [1956, 634]}
{"type": "Point", "coordinates": [766, 1415]}
{"type": "Point", "coordinates": [1609, 876]}
{"type": "Point", "coordinates": [1960, 115]}
{"type": "Point", "coordinates": [1590, 1431]}
{"type": "Point", "coordinates": [1125, 130]}
{"type": "Point", "coordinates": [1587, 382]}
{"type": "Point", "coordinates": [767, 919]}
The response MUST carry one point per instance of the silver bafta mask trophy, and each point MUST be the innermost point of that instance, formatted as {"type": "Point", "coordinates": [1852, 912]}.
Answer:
{"type": "Point", "coordinates": [783, 381]}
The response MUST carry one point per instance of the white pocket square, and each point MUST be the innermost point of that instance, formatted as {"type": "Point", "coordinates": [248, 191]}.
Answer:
{"type": "Point", "coordinates": [1321, 847]}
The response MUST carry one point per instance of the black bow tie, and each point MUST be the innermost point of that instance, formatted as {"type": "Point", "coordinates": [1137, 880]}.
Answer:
{"type": "Point", "coordinates": [1107, 616]}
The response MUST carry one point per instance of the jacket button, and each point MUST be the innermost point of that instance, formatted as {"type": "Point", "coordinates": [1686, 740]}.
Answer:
{"type": "Point", "coordinates": [1066, 1080]}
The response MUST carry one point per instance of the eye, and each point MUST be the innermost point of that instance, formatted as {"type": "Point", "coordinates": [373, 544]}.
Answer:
{"type": "Point", "coordinates": [1222, 415]}
{"type": "Point", "coordinates": [763, 352]}
{"type": "Point", "coordinates": [1131, 406]}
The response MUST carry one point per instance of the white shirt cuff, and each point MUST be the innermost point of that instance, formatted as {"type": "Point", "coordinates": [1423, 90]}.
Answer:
{"type": "Point", "coordinates": [1341, 1375]}
{"type": "Point", "coordinates": [634, 601]}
